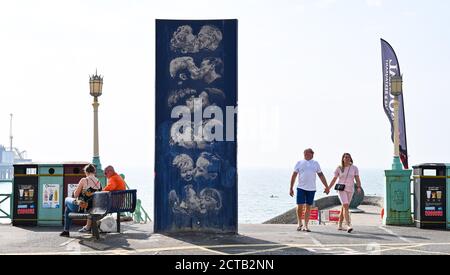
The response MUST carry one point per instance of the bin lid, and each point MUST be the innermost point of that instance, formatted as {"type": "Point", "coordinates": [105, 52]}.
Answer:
{"type": "Point", "coordinates": [431, 165]}
{"type": "Point", "coordinates": [75, 163]}
{"type": "Point", "coordinates": [25, 164]}
{"type": "Point", "coordinates": [45, 165]}
{"type": "Point", "coordinates": [53, 163]}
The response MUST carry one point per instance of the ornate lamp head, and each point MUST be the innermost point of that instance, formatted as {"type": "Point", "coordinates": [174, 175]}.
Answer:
{"type": "Point", "coordinates": [96, 83]}
{"type": "Point", "coordinates": [396, 85]}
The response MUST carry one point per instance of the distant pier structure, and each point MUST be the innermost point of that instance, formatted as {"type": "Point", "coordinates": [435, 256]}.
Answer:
{"type": "Point", "coordinates": [7, 159]}
{"type": "Point", "coordinates": [10, 156]}
{"type": "Point", "coordinates": [6, 163]}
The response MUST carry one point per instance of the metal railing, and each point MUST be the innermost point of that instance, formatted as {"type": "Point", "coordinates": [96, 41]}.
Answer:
{"type": "Point", "coordinates": [4, 197]}
{"type": "Point", "coordinates": [3, 213]}
{"type": "Point", "coordinates": [139, 215]}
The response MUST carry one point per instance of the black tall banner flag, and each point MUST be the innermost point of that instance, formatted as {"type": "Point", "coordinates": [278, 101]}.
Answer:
{"type": "Point", "coordinates": [391, 68]}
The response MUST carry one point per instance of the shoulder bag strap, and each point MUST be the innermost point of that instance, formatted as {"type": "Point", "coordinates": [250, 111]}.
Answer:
{"type": "Point", "coordinates": [96, 183]}
{"type": "Point", "coordinates": [348, 171]}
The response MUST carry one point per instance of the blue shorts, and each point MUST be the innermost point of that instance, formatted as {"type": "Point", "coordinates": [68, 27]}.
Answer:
{"type": "Point", "coordinates": [305, 197]}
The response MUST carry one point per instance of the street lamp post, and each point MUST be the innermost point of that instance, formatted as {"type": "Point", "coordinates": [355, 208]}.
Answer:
{"type": "Point", "coordinates": [396, 91]}
{"type": "Point", "coordinates": [398, 181]}
{"type": "Point", "coordinates": [96, 83]}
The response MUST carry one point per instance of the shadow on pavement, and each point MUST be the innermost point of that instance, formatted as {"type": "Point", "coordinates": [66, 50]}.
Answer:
{"type": "Point", "coordinates": [236, 244]}
{"type": "Point", "coordinates": [112, 241]}
{"type": "Point", "coordinates": [107, 241]}
{"type": "Point", "coordinates": [358, 234]}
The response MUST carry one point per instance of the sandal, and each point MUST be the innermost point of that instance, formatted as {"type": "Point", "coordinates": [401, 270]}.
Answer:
{"type": "Point", "coordinates": [306, 229]}
{"type": "Point", "coordinates": [299, 228]}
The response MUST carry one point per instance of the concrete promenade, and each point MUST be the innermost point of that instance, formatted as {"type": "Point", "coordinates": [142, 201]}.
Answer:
{"type": "Point", "coordinates": [369, 237]}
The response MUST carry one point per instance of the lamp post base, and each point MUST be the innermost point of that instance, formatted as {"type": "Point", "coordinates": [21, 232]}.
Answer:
{"type": "Point", "coordinates": [99, 173]}
{"type": "Point", "coordinates": [398, 197]}
{"type": "Point", "coordinates": [396, 164]}
{"type": "Point", "coordinates": [97, 163]}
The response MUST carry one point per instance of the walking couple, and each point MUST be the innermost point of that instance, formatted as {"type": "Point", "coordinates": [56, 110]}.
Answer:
{"type": "Point", "coordinates": [306, 170]}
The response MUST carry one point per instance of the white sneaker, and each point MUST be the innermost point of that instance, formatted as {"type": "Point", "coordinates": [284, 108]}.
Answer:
{"type": "Point", "coordinates": [84, 229]}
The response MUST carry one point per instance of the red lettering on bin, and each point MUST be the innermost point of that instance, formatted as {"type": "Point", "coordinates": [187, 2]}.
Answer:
{"type": "Point", "coordinates": [434, 213]}
{"type": "Point", "coordinates": [25, 211]}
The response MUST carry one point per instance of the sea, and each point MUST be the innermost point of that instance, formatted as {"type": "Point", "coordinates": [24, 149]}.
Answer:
{"type": "Point", "coordinates": [262, 193]}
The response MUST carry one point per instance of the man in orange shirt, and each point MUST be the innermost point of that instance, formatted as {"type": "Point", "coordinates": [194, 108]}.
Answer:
{"type": "Point", "coordinates": [115, 181]}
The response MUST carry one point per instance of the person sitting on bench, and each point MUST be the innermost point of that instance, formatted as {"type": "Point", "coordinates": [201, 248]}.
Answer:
{"type": "Point", "coordinates": [79, 199]}
{"type": "Point", "coordinates": [115, 181]}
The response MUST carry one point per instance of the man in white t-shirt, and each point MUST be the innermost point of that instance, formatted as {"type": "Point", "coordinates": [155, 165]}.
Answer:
{"type": "Point", "coordinates": [306, 170]}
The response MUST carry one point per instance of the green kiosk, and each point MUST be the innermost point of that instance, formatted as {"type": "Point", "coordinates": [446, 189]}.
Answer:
{"type": "Point", "coordinates": [51, 184]}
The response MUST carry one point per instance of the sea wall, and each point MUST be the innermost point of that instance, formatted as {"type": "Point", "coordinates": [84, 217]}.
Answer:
{"type": "Point", "coordinates": [290, 217]}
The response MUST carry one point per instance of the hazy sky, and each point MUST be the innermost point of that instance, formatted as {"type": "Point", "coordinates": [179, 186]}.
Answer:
{"type": "Point", "coordinates": [309, 76]}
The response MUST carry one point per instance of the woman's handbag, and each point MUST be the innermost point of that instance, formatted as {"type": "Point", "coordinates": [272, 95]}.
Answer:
{"type": "Point", "coordinates": [341, 186]}
{"type": "Point", "coordinates": [85, 199]}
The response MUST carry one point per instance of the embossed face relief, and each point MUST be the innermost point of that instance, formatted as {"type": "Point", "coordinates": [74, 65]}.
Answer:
{"type": "Point", "coordinates": [185, 41]}
{"type": "Point", "coordinates": [184, 68]}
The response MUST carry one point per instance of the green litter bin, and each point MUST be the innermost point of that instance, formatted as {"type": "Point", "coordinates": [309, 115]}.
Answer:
{"type": "Point", "coordinates": [50, 200]}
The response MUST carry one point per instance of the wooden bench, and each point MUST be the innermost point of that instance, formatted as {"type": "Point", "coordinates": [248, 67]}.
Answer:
{"type": "Point", "coordinates": [105, 203]}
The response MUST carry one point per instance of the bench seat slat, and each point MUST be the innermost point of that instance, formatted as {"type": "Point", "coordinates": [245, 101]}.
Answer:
{"type": "Point", "coordinates": [78, 215]}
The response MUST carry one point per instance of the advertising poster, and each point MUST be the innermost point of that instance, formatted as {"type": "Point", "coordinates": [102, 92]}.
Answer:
{"type": "Point", "coordinates": [434, 201]}
{"type": "Point", "coordinates": [71, 187]}
{"type": "Point", "coordinates": [26, 204]}
{"type": "Point", "coordinates": [50, 197]}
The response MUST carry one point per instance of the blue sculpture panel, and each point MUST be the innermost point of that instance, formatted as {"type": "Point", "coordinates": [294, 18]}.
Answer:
{"type": "Point", "coordinates": [196, 126]}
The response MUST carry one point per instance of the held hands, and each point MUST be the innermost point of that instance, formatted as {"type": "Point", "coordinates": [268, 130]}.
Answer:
{"type": "Point", "coordinates": [358, 189]}
{"type": "Point", "coordinates": [327, 190]}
